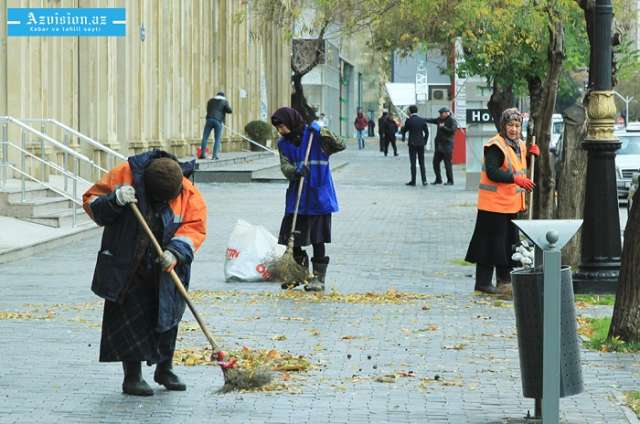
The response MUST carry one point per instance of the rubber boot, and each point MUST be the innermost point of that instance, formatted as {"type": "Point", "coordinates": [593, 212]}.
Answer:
{"type": "Point", "coordinates": [133, 383]}
{"type": "Point", "coordinates": [319, 272]}
{"type": "Point", "coordinates": [484, 274]}
{"type": "Point", "coordinates": [164, 376]}
{"type": "Point", "coordinates": [303, 261]}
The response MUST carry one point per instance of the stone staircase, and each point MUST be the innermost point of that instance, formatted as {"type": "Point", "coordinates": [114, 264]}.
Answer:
{"type": "Point", "coordinates": [40, 205]}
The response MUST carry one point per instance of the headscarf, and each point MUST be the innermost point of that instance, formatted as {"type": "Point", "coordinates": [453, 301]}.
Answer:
{"type": "Point", "coordinates": [509, 115]}
{"type": "Point", "coordinates": [292, 119]}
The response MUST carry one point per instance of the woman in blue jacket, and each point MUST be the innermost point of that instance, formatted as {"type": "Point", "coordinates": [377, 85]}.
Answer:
{"type": "Point", "coordinates": [318, 199]}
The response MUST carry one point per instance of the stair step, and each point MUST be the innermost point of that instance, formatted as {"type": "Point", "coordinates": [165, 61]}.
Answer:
{"type": "Point", "coordinates": [59, 218]}
{"type": "Point", "coordinates": [235, 173]}
{"type": "Point", "coordinates": [232, 159]}
{"type": "Point", "coordinates": [37, 206]}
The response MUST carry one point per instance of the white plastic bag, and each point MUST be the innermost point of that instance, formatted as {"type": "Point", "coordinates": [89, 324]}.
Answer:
{"type": "Point", "coordinates": [248, 248]}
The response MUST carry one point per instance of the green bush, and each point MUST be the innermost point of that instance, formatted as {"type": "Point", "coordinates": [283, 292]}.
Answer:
{"type": "Point", "coordinates": [259, 131]}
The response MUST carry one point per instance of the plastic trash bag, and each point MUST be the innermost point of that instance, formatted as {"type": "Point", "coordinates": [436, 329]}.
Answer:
{"type": "Point", "coordinates": [249, 247]}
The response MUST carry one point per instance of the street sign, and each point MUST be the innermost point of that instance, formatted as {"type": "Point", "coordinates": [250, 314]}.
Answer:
{"type": "Point", "coordinates": [479, 116]}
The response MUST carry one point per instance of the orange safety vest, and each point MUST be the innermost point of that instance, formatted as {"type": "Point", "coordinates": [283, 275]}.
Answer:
{"type": "Point", "coordinates": [503, 197]}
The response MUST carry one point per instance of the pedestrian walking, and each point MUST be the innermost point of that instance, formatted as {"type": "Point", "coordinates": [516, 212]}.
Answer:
{"type": "Point", "coordinates": [372, 126]}
{"type": "Point", "coordinates": [142, 307]}
{"type": "Point", "coordinates": [501, 196]}
{"type": "Point", "coordinates": [390, 130]}
{"type": "Point", "coordinates": [381, 122]}
{"type": "Point", "coordinates": [443, 144]}
{"type": "Point", "coordinates": [418, 131]}
{"type": "Point", "coordinates": [318, 198]}
{"type": "Point", "coordinates": [217, 108]}
{"type": "Point", "coordinates": [361, 123]}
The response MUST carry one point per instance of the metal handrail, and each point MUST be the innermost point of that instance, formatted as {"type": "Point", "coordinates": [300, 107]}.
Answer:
{"type": "Point", "coordinates": [45, 137]}
{"type": "Point", "coordinates": [255, 143]}
{"type": "Point", "coordinates": [78, 134]}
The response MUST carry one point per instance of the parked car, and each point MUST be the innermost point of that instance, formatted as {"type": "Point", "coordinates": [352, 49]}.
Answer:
{"type": "Point", "coordinates": [557, 127]}
{"type": "Point", "coordinates": [627, 158]}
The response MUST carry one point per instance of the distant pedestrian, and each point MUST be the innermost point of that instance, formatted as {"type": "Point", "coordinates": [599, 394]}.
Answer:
{"type": "Point", "coordinates": [381, 122]}
{"type": "Point", "coordinates": [390, 130]}
{"type": "Point", "coordinates": [322, 120]}
{"type": "Point", "coordinates": [217, 109]}
{"type": "Point", "coordinates": [142, 308]}
{"type": "Point", "coordinates": [418, 131]}
{"type": "Point", "coordinates": [361, 124]}
{"type": "Point", "coordinates": [501, 196]}
{"type": "Point", "coordinates": [443, 144]}
{"type": "Point", "coordinates": [372, 127]}
{"type": "Point", "coordinates": [318, 198]}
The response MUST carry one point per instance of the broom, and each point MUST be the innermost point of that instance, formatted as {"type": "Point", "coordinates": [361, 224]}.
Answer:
{"type": "Point", "coordinates": [285, 268]}
{"type": "Point", "coordinates": [234, 378]}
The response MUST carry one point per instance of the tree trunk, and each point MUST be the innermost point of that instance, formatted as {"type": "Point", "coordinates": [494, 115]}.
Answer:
{"type": "Point", "coordinates": [571, 177]}
{"type": "Point", "coordinates": [298, 99]}
{"type": "Point", "coordinates": [501, 99]}
{"type": "Point", "coordinates": [625, 323]}
{"type": "Point", "coordinates": [544, 195]}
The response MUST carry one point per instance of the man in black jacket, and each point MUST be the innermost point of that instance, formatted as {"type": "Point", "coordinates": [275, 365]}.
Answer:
{"type": "Point", "coordinates": [381, 130]}
{"type": "Point", "coordinates": [443, 144]}
{"type": "Point", "coordinates": [217, 108]}
{"type": "Point", "coordinates": [418, 136]}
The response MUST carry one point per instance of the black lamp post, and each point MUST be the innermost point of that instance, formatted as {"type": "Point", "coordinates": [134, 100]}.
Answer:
{"type": "Point", "coordinates": [601, 247]}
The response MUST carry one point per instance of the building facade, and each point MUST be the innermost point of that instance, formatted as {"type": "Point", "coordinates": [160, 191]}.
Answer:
{"type": "Point", "coordinates": [148, 89]}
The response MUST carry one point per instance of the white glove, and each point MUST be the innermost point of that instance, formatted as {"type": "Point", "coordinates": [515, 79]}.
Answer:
{"type": "Point", "coordinates": [125, 195]}
{"type": "Point", "coordinates": [167, 261]}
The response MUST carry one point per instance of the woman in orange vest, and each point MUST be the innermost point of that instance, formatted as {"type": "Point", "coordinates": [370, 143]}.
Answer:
{"type": "Point", "coordinates": [501, 196]}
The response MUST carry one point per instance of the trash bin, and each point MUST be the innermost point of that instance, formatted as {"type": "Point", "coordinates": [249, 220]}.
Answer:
{"type": "Point", "coordinates": [528, 302]}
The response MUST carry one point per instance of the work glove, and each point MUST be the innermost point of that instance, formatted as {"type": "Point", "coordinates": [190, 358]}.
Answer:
{"type": "Point", "coordinates": [167, 261]}
{"type": "Point", "coordinates": [302, 170]}
{"type": "Point", "coordinates": [524, 182]}
{"type": "Point", "coordinates": [534, 150]}
{"type": "Point", "coordinates": [125, 194]}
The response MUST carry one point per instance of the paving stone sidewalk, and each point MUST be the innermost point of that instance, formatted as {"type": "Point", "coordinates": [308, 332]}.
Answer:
{"type": "Point", "coordinates": [387, 236]}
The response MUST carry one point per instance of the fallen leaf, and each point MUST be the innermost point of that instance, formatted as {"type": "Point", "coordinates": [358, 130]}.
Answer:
{"type": "Point", "coordinates": [279, 337]}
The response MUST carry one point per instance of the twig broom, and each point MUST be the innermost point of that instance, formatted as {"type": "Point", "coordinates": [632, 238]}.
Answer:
{"type": "Point", "coordinates": [234, 377]}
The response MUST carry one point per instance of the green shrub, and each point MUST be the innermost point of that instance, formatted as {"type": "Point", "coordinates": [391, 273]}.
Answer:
{"type": "Point", "coordinates": [259, 131]}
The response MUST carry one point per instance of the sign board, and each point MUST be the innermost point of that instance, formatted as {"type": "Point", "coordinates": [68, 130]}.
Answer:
{"type": "Point", "coordinates": [66, 22]}
{"type": "Point", "coordinates": [478, 116]}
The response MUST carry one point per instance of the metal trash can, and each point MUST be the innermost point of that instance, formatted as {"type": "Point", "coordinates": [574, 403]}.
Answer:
{"type": "Point", "coordinates": [528, 303]}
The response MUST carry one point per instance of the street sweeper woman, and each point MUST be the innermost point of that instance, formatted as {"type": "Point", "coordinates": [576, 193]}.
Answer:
{"type": "Point", "coordinates": [501, 196]}
{"type": "Point", "coordinates": [142, 306]}
{"type": "Point", "coordinates": [318, 197]}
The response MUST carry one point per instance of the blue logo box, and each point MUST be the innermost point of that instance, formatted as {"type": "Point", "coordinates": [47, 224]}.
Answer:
{"type": "Point", "coordinates": [66, 22]}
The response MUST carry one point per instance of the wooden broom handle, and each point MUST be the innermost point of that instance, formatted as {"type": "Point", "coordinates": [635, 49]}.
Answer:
{"type": "Point", "coordinates": [174, 277]}
{"type": "Point", "coordinates": [300, 186]}
{"type": "Point", "coordinates": [533, 170]}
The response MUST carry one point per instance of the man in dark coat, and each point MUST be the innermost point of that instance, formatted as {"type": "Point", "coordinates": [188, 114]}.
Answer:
{"type": "Point", "coordinates": [390, 130]}
{"type": "Point", "coordinates": [381, 122]}
{"type": "Point", "coordinates": [217, 109]}
{"type": "Point", "coordinates": [142, 306]}
{"type": "Point", "coordinates": [443, 144]}
{"type": "Point", "coordinates": [418, 136]}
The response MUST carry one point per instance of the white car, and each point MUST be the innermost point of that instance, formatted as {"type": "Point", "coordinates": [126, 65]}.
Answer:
{"type": "Point", "coordinates": [627, 158]}
{"type": "Point", "coordinates": [557, 127]}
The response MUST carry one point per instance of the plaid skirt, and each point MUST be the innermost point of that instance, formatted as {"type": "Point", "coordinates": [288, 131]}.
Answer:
{"type": "Point", "coordinates": [128, 328]}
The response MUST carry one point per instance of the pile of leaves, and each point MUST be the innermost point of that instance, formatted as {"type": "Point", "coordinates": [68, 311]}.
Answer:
{"type": "Point", "coordinates": [391, 296]}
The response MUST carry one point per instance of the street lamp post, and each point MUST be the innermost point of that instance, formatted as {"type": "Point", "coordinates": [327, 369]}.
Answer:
{"type": "Point", "coordinates": [601, 248]}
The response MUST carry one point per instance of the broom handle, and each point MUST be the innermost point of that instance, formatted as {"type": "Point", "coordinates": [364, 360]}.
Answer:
{"type": "Point", "coordinates": [300, 185]}
{"type": "Point", "coordinates": [533, 170]}
{"type": "Point", "coordinates": [174, 277]}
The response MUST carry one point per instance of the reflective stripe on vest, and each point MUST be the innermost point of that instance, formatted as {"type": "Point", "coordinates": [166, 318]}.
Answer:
{"type": "Point", "coordinates": [503, 197]}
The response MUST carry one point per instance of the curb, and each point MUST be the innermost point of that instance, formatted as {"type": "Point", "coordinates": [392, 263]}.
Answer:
{"type": "Point", "coordinates": [44, 245]}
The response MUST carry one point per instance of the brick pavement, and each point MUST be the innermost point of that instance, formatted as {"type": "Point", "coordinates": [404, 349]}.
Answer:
{"type": "Point", "coordinates": [387, 235]}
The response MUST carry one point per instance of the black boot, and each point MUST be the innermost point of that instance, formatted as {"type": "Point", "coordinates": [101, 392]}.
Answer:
{"type": "Point", "coordinates": [319, 272]}
{"type": "Point", "coordinates": [165, 376]}
{"type": "Point", "coordinates": [133, 383]}
{"type": "Point", "coordinates": [302, 260]}
{"type": "Point", "coordinates": [484, 274]}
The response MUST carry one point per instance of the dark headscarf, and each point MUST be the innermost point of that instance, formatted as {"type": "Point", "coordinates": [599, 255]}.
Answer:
{"type": "Point", "coordinates": [292, 119]}
{"type": "Point", "coordinates": [510, 115]}
{"type": "Point", "coordinates": [163, 179]}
